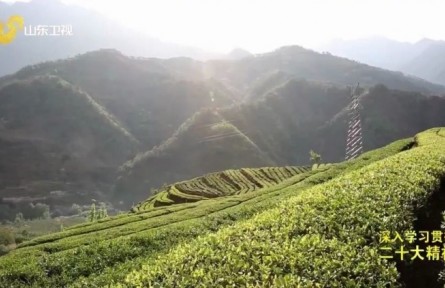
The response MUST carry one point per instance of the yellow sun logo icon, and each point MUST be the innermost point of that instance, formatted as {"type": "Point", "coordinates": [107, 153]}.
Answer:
{"type": "Point", "coordinates": [9, 29]}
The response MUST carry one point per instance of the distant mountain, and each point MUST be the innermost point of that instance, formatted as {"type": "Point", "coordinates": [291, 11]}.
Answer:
{"type": "Point", "coordinates": [91, 31]}
{"type": "Point", "coordinates": [423, 59]}
{"type": "Point", "coordinates": [303, 63]}
{"type": "Point", "coordinates": [377, 51]}
{"type": "Point", "coordinates": [429, 64]}
{"type": "Point", "coordinates": [238, 54]}
{"type": "Point", "coordinates": [285, 125]}
{"type": "Point", "coordinates": [153, 97]}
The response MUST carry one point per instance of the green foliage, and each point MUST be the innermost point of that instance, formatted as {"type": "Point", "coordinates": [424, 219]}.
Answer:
{"type": "Point", "coordinates": [98, 253]}
{"type": "Point", "coordinates": [294, 246]}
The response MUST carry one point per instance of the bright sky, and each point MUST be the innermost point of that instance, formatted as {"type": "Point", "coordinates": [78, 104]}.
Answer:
{"type": "Point", "coordinates": [263, 25]}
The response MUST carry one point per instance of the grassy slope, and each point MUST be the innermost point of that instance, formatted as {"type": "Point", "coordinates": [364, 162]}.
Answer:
{"type": "Point", "coordinates": [292, 244]}
{"type": "Point", "coordinates": [96, 254]}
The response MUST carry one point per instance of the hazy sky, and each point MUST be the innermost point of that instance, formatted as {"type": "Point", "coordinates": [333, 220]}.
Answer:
{"type": "Point", "coordinates": [262, 25]}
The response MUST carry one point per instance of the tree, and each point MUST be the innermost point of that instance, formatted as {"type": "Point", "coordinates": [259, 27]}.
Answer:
{"type": "Point", "coordinates": [76, 208]}
{"type": "Point", "coordinates": [46, 214]}
{"type": "Point", "coordinates": [19, 218]}
{"type": "Point", "coordinates": [92, 215]}
{"type": "Point", "coordinates": [97, 214]}
{"type": "Point", "coordinates": [315, 157]}
{"type": "Point", "coordinates": [102, 211]}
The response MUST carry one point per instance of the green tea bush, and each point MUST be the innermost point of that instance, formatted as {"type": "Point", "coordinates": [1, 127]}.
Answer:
{"type": "Point", "coordinates": [327, 236]}
{"type": "Point", "coordinates": [99, 253]}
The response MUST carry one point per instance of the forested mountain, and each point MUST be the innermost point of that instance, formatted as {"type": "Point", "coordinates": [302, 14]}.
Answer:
{"type": "Point", "coordinates": [182, 118]}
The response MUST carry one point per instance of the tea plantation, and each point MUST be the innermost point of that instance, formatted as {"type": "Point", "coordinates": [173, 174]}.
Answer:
{"type": "Point", "coordinates": [298, 228]}
{"type": "Point", "coordinates": [225, 183]}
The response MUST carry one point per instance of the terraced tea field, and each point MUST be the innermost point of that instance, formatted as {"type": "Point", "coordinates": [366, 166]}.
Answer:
{"type": "Point", "coordinates": [292, 244]}
{"type": "Point", "coordinates": [341, 207]}
{"type": "Point", "coordinates": [225, 183]}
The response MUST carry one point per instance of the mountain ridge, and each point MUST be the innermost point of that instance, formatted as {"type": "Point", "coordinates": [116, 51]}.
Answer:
{"type": "Point", "coordinates": [151, 98]}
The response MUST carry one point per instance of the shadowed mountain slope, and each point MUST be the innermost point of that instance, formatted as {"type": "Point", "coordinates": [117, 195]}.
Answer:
{"type": "Point", "coordinates": [55, 137]}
